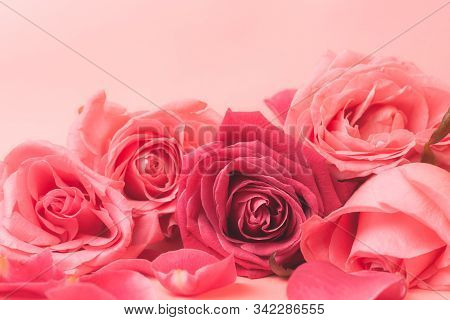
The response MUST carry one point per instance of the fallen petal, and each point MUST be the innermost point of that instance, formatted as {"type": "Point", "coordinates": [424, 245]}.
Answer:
{"type": "Point", "coordinates": [37, 268]}
{"type": "Point", "coordinates": [105, 285]}
{"type": "Point", "coordinates": [29, 278]}
{"type": "Point", "coordinates": [190, 272]}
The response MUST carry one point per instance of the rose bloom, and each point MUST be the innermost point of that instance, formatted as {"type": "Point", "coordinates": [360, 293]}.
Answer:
{"type": "Point", "coordinates": [248, 194]}
{"type": "Point", "coordinates": [363, 114]}
{"type": "Point", "coordinates": [142, 150]}
{"type": "Point", "coordinates": [52, 201]}
{"type": "Point", "coordinates": [398, 222]}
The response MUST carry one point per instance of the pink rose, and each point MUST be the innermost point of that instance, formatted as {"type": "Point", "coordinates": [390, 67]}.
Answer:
{"type": "Point", "coordinates": [54, 202]}
{"type": "Point", "coordinates": [363, 115]}
{"type": "Point", "coordinates": [248, 194]}
{"type": "Point", "coordinates": [142, 150]}
{"type": "Point", "coordinates": [398, 222]}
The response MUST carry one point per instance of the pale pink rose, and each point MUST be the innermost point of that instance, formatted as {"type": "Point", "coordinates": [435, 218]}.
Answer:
{"type": "Point", "coordinates": [363, 114]}
{"type": "Point", "coordinates": [189, 272]}
{"type": "Point", "coordinates": [142, 150]}
{"type": "Point", "coordinates": [54, 202]}
{"type": "Point", "coordinates": [397, 222]}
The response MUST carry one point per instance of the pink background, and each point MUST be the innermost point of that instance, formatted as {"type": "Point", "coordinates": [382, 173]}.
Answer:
{"type": "Point", "coordinates": [228, 53]}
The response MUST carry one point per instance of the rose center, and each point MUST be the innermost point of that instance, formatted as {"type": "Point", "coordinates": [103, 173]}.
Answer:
{"type": "Point", "coordinates": [255, 216]}
{"type": "Point", "coordinates": [258, 212]}
{"type": "Point", "coordinates": [151, 164]}
{"type": "Point", "coordinates": [154, 171]}
{"type": "Point", "coordinates": [377, 264]}
{"type": "Point", "coordinates": [63, 203]}
{"type": "Point", "coordinates": [381, 119]}
{"type": "Point", "coordinates": [67, 212]}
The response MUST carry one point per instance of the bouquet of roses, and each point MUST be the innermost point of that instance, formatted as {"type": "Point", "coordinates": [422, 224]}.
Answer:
{"type": "Point", "coordinates": [346, 193]}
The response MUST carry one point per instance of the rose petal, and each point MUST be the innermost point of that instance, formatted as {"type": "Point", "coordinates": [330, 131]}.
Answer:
{"type": "Point", "coordinates": [81, 291]}
{"type": "Point", "coordinates": [117, 281]}
{"type": "Point", "coordinates": [324, 281]}
{"type": "Point", "coordinates": [190, 272]}
{"type": "Point", "coordinates": [123, 284]}
{"type": "Point", "coordinates": [95, 127]}
{"type": "Point", "coordinates": [138, 265]}
{"type": "Point", "coordinates": [37, 268]}
{"type": "Point", "coordinates": [29, 278]}
{"type": "Point", "coordinates": [280, 103]}
{"type": "Point", "coordinates": [28, 150]}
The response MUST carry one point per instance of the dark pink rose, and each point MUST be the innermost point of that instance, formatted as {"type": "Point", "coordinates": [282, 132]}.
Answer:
{"type": "Point", "coordinates": [52, 201]}
{"type": "Point", "coordinates": [364, 114]}
{"type": "Point", "coordinates": [248, 194]}
{"type": "Point", "coordinates": [142, 150]}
